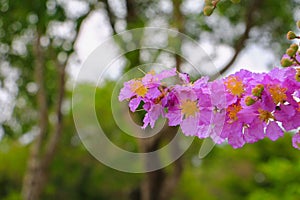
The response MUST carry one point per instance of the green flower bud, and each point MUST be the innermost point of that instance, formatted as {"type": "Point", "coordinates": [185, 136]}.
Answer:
{"type": "Point", "coordinates": [208, 10]}
{"type": "Point", "coordinates": [257, 91]}
{"type": "Point", "coordinates": [297, 77]}
{"type": "Point", "coordinates": [215, 2]}
{"type": "Point", "coordinates": [294, 46]}
{"type": "Point", "coordinates": [285, 62]}
{"type": "Point", "coordinates": [291, 52]}
{"type": "Point", "coordinates": [235, 1]}
{"type": "Point", "coordinates": [209, 3]}
{"type": "Point", "coordinates": [291, 35]}
{"type": "Point", "coordinates": [298, 24]}
{"type": "Point", "coordinates": [249, 101]}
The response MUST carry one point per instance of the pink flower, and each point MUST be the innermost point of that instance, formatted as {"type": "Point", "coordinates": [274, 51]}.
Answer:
{"type": "Point", "coordinates": [242, 108]}
{"type": "Point", "coordinates": [296, 140]}
{"type": "Point", "coordinates": [153, 113]}
{"type": "Point", "coordinates": [186, 112]}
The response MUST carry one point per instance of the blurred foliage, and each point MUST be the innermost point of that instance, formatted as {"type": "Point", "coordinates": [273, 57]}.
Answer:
{"type": "Point", "coordinates": [31, 34]}
{"type": "Point", "coordinates": [264, 170]}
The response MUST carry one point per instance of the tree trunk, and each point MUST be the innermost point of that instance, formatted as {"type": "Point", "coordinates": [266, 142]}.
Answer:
{"type": "Point", "coordinates": [34, 177]}
{"type": "Point", "coordinates": [42, 153]}
{"type": "Point", "coordinates": [160, 185]}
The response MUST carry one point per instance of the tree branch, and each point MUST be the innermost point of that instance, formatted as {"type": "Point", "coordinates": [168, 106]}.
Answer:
{"type": "Point", "coordinates": [56, 135]}
{"type": "Point", "coordinates": [240, 45]}
{"type": "Point", "coordinates": [34, 163]}
{"type": "Point", "coordinates": [39, 160]}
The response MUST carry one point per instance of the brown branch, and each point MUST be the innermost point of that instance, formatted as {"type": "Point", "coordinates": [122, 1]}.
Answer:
{"type": "Point", "coordinates": [41, 93]}
{"type": "Point", "coordinates": [132, 18]}
{"type": "Point", "coordinates": [171, 181]}
{"type": "Point", "coordinates": [179, 18]}
{"type": "Point", "coordinates": [52, 144]}
{"type": "Point", "coordinates": [39, 161]}
{"type": "Point", "coordinates": [34, 164]}
{"type": "Point", "coordinates": [240, 45]}
{"type": "Point", "coordinates": [54, 139]}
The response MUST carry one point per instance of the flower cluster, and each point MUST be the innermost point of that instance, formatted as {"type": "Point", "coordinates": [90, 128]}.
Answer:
{"type": "Point", "coordinates": [242, 108]}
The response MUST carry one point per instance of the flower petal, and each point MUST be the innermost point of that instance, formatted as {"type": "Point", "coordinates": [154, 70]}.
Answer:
{"type": "Point", "coordinates": [273, 131]}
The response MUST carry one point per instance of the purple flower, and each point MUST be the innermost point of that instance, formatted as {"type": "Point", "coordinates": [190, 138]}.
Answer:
{"type": "Point", "coordinates": [260, 122]}
{"type": "Point", "coordinates": [289, 116]}
{"type": "Point", "coordinates": [296, 140]}
{"type": "Point", "coordinates": [153, 113]}
{"type": "Point", "coordinates": [145, 87]}
{"type": "Point", "coordinates": [186, 112]}
{"type": "Point", "coordinates": [216, 102]}
{"type": "Point", "coordinates": [242, 108]}
{"type": "Point", "coordinates": [233, 126]}
{"type": "Point", "coordinates": [132, 88]}
{"type": "Point", "coordinates": [154, 80]}
{"type": "Point", "coordinates": [184, 77]}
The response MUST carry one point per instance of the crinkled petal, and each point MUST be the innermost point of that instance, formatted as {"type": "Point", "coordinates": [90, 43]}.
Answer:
{"type": "Point", "coordinates": [134, 103]}
{"type": "Point", "coordinates": [254, 133]}
{"type": "Point", "coordinates": [203, 131]}
{"type": "Point", "coordinates": [218, 94]}
{"type": "Point", "coordinates": [189, 126]}
{"type": "Point", "coordinates": [152, 115]}
{"type": "Point", "coordinates": [296, 141]}
{"type": "Point", "coordinates": [206, 116]}
{"type": "Point", "coordinates": [215, 136]}
{"type": "Point", "coordinates": [274, 131]}
{"type": "Point", "coordinates": [166, 74]}
{"type": "Point", "coordinates": [184, 92]}
{"type": "Point", "coordinates": [184, 77]}
{"type": "Point", "coordinates": [153, 93]}
{"type": "Point", "coordinates": [126, 92]}
{"type": "Point", "coordinates": [146, 120]}
{"type": "Point", "coordinates": [174, 117]}
{"type": "Point", "coordinates": [236, 140]}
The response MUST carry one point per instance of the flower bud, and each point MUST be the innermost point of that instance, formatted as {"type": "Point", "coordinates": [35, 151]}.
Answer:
{"type": "Point", "coordinates": [257, 91]}
{"type": "Point", "coordinates": [208, 3]}
{"type": "Point", "coordinates": [215, 2]}
{"type": "Point", "coordinates": [249, 101]}
{"type": "Point", "coordinates": [291, 35]}
{"type": "Point", "coordinates": [291, 52]}
{"type": "Point", "coordinates": [297, 76]}
{"type": "Point", "coordinates": [208, 10]}
{"type": "Point", "coordinates": [235, 1]}
{"type": "Point", "coordinates": [285, 62]}
{"type": "Point", "coordinates": [298, 24]}
{"type": "Point", "coordinates": [294, 46]}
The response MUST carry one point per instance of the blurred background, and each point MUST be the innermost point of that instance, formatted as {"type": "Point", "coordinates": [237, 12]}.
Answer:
{"type": "Point", "coordinates": [43, 44]}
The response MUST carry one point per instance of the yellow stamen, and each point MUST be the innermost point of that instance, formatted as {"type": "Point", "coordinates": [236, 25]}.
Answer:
{"type": "Point", "coordinates": [234, 85]}
{"type": "Point", "coordinates": [152, 72]}
{"type": "Point", "coordinates": [189, 108]}
{"type": "Point", "coordinates": [139, 88]}
{"type": "Point", "coordinates": [298, 109]}
{"type": "Point", "coordinates": [265, 115]}
{"type": "Point", "coordinates": [278, 93]}
{"type": "Point", "coordinates": [233, 111]}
